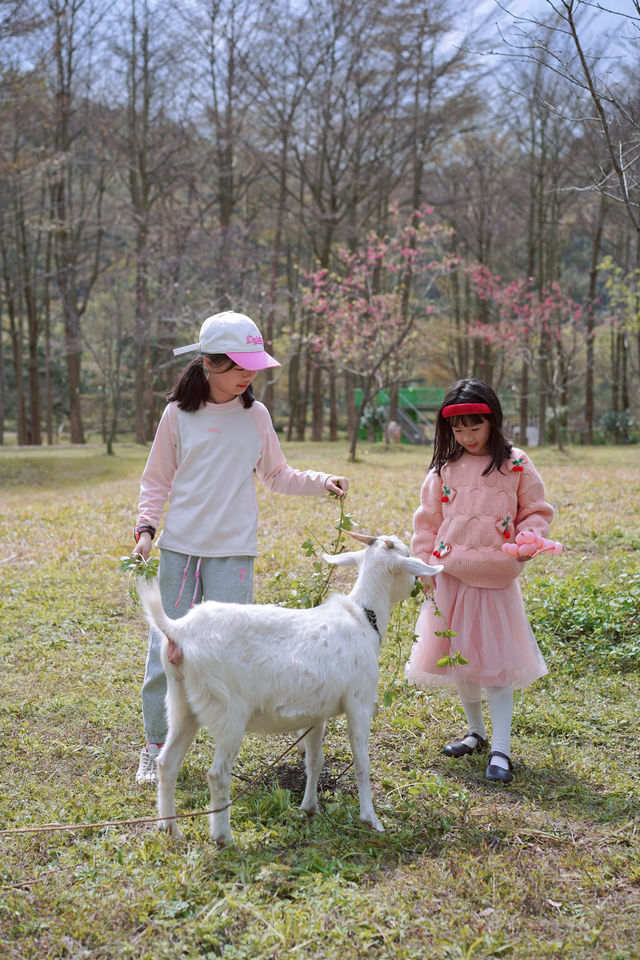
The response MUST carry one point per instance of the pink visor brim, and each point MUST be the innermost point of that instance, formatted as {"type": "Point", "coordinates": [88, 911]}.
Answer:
{"type": "Point", "coordinates": [254, 360]}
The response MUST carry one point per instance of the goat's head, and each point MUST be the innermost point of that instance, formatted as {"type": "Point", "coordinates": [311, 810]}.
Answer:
{"type": "Point", "coordinates": [390, 555]}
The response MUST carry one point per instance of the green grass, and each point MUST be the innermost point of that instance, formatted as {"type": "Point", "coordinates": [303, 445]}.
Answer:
{"type": "Point", "coordinates": [549, 867]}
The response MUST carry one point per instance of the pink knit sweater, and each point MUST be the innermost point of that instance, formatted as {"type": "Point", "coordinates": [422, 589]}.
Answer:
{"type": "Point", "coordinates": [464, 518]}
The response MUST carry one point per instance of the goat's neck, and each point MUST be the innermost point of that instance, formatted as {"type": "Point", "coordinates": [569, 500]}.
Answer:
{"type": "Point", "coordinates": [372, 593]}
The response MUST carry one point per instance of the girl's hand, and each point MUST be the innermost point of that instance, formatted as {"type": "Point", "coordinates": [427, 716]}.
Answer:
{"type": "Point", "coordinates": [337, 485]}
{"type": "Point", "coordinates": [143, 546]}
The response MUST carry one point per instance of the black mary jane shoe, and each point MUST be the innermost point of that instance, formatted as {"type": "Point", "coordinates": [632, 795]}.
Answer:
{"type": "Point", "coordinates": [494, 772]}
{"type": "Point", "coordinates": [460, 749]}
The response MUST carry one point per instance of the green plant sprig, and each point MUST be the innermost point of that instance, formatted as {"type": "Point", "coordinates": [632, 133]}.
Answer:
{"type": "Point", "coordinates": [135, 565]}
{"type": "Point", "coordinates": [452, 659]}
{"type": "Point", "coordinates": [311, 590]}
{"type": "Point", "coordinates": [395, 639]}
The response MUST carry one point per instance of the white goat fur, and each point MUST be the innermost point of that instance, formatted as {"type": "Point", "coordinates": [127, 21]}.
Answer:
{"type": "Point", "coordinates": [270, 669]}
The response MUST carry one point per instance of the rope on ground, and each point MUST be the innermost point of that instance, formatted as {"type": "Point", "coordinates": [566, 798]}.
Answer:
{"type": "Point", "coordinates": [59, 827]}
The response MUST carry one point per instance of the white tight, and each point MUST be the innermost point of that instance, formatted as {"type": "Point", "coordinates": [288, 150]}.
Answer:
{"type": "Point", "coordinates": [501, 709]}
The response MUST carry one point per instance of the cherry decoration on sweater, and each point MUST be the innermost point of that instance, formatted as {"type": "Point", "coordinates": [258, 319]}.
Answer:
{"type": "Point", "coordinates": [504, 527]}
{"type": "Point", "coordinates": [447, 494]}
{"type": "Point", "coordinates": [528, 543]}
{"type": "Point", "coordinates": [442, 550]}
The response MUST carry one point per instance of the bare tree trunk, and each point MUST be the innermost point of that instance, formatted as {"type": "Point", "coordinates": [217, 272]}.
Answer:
{"type": "Point", "coordinates": [142, 367]}
{"type": "Point", "coordinates": [293, 389]}
{"type": "Point", "coordinates": [542, 393]}
{"type": "Point", "coordinates": [590, 332]}
{"type": "Point", "coordinates": [524, 400]}
{"type": "Point", "coordinates": [60, 186]}
{"type": "Point", "coordinates": [33, 332]}
{"type": "Point", "coordinates": [275, 262]}
{"type": "Point", "coordinates": [333, 406]}
{"type": "Point", "coordinates": [295, 364]}
{"type": "Point", "coordinates": [394, 394]}
{"type": "Point", "coordinates": [46, 310]}
{"type": "Point", "coordinates": [368, 389]}
{"type": "Point", "coordinates": [15, 334]}
{"type": "Point", "coordinates": [73, 199]}
{"type": "Point", "coordinates": [615, 372]}
{"type": "Point", "coordinates": [2, 378]}
{"type": "Point", "coordinates": [352, 423]}
{"type": "Point", "coordinates": [624, 370]}
{"type": "Point", "coordinates": [317, 404]}
{"type": "Point", "coordinates": [2, 384]}
{"type": "Point", "coordinates": [302, 408]}
{"type": "Point", "coordinates": [139, 180]}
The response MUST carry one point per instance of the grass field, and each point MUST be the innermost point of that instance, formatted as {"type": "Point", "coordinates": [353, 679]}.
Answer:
{"type": "Point", "coordinates": [548, 867]}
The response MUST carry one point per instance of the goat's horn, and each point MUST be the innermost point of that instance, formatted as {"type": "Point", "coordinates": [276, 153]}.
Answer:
{"type": "Point", "coordinates": [362, 537]}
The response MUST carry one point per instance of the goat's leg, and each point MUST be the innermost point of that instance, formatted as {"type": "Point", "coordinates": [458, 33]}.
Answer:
{"type": "Point", "coordinates": [313, 765]}
{"type": "Point", "coordinates": [179, 739]}
{"type": "Point", "coordinates": [228, 742]}
{"type": "Point", "coordinates": [358, 722]}
{"type": "Point", "coordinates": [302, 745]}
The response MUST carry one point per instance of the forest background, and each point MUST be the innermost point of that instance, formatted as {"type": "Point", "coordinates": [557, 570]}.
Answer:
{"type": "Point", "coordinates": [399, 193]}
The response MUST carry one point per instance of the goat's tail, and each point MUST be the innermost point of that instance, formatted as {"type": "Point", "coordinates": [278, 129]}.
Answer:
{"type": "Point", "coordinates": [149, 593]}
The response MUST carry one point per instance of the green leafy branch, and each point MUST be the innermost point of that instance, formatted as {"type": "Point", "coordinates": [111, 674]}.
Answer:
{"type": "Point", "coordinates": [395, 639]}
{"type": "Point", "coordinates": [136, 566]}
{"type": "Point", "coordinates": [452, 659]}
{"type": "Point", "coordinates": [311, 590]}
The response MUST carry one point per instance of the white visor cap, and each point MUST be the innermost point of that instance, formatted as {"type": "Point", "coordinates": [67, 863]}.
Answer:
{"type": "Point", "coordinates": [235, 335]}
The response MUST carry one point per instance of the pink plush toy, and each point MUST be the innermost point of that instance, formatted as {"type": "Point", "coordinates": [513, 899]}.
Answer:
{"type": "Point", "coordinates": [530, 544]}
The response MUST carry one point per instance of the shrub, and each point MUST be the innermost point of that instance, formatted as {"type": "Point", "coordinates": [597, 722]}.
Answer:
{"type": "Point", "coordinates": [582, 621]}
{"type": "Point", "coordinates": [620, 427]}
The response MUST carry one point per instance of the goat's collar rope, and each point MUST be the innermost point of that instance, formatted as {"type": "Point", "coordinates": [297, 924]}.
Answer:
{"type": "Point", "coordinates": [373, 620]}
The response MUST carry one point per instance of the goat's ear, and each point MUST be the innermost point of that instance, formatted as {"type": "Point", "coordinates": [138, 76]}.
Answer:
{"type": "Point", "coordinates": [352, 559]}
{"type": "Point", "coordinates": [418, 567]}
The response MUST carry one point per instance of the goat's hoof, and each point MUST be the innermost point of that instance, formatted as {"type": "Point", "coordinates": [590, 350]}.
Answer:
{"type": "Point", "coordinates": [310, 807]}
{"type": "Point", "coordinates": [374, 824]}
{"type": "Point", "coordinates": [171, 828]}
{"type": "Point", "coordinates": [225, 840]}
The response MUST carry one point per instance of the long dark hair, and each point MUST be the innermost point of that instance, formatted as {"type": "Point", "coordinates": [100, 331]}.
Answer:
{"type": "Point", "coordinates": [191, 389]}
{"type": "Point", "coordinates": [445, 446]}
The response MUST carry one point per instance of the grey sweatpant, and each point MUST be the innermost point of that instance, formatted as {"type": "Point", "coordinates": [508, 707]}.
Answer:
{"type": "Point", "coordinates": [181, 584]}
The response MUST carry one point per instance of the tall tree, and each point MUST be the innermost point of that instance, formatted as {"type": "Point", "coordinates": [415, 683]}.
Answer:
{"type": "Point", "coordinates": [77, 181]}
{"type": "Point", "coordinates": [571, 43]}
{"type": "Point", "coordinates": [148, 146]}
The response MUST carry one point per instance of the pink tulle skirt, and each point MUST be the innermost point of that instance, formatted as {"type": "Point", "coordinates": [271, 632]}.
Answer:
{"type": "Point", "coordinates": [492, 633]}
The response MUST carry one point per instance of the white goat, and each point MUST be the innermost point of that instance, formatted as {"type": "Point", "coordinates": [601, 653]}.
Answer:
{"type": "Point", "coordinates": [234, 668]}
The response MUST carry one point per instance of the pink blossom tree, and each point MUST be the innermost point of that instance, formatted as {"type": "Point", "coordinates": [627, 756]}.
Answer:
{"type": "Point", "coordinates": [369, 310]}
{"type": "Point", "coordinates": [532, 324]}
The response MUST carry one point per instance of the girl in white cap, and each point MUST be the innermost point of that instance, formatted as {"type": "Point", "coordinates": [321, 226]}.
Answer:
{"type": "Point", "coordinates": [212, 435]}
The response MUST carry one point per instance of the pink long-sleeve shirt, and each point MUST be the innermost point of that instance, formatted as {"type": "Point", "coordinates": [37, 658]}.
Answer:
{"type": "Point", "coordinates": [464, 518]}
{"type": "Point", "coordinates": [203, 463]}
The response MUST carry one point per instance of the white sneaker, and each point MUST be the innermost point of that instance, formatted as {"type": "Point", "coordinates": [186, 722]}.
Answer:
{"type": "Point", "coordinates": [147, 768]}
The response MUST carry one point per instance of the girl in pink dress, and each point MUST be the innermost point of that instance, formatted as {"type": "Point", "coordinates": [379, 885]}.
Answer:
{"type": "Point", "coordinates": [480, 492]}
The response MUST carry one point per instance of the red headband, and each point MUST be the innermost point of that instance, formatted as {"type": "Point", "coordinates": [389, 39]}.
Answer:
{"type": "Point", "coordinates": [460, 409]}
